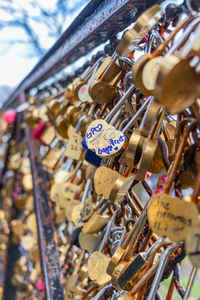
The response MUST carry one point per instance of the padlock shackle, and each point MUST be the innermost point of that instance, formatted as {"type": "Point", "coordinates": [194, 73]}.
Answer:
{"type": "Point", "coordinates": [161, 268]}
{"type": "Point", "coordinates": [75, 170]}
{"type": "Point", "coordinates": [132, 239]}
{"type": "Point", "coordinates": [78, 125]}
{"type": "Point", "coordinates": [190, 283]}
{"type": "Point", "coordinates": [165, 43]}
{"type": "Point", "coordinates": [172, 174]}
{"type": "Point", "coordinates": [88, 72]}
{"type": "Point", "coordinates": [187, 47]}
{"type": "Point", "coordinates": [101, 292]}
{"type": "Point", "coordinates": [108, 229]}
{"type": "Point", "coordinates": [130, 91]}
{"type": "Point", "coordinates": [136, 116]}
{"type": "Point", "coordinates": [151, 255]}
{"type": "Point", "coordinates": [86, 189]}
{"type": "Point", "coordinates": [190, 27]}
{"type": "Point", "coordinates": [156, 244]}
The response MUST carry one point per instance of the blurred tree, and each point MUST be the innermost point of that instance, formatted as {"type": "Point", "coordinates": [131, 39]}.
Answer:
{"type": "Point", "coordinates": [35, 19]}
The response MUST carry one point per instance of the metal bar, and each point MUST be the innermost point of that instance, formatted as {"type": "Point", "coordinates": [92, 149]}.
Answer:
{"type": "Point", "coordinates": [11, 251]}
{"type": "Point", "coordinates": [47, 237]}
{"type": "Point", "coordinates": [192, 277]}
{"type": "Point", "coordinates": [12, 128]}
{"type": "Point", "coordinates": [98, 22]}
{"type": "Point", "coordinates": [12, 255]}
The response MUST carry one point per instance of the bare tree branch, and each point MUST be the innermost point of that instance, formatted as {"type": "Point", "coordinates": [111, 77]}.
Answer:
{"type": "Point", "coordinates": [18, 16]}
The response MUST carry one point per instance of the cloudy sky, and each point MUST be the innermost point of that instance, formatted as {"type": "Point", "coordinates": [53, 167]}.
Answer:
{"type": "Point", "coordinates": [16, 61]}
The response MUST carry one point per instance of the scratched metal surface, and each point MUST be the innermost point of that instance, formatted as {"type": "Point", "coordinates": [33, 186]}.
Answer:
{"type": "Point", "coordinates": [99, 21]}
{"type": "Point", "coordinates": [47, 237]}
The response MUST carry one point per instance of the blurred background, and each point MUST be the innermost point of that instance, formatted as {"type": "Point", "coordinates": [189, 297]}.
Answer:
{"type": "Point", "coordinates": [28, 28]}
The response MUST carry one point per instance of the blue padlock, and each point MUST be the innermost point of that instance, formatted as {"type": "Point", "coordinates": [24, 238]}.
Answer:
{"type": "Point", "coordinates": [21, 249]}
{"type": "Point", "coordinates": [84, 144]}
{"type": "Point", "coordinates": [91, 156]}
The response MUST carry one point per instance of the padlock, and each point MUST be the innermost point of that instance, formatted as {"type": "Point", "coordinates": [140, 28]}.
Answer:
{"type": "Point", "coordinates": [18, 227]}
{"type": "Point", "coordinates": [97, 221]}
{"type": "Point", "coordinates": [134, 149]}
{"type": "Point", "coordinates": [143, 76]}
{"type": "Point", "coordinates": [167, 215]}
{"type": "Point", "coordinates": [134, 268]}
{"type": "Point", "coordinates": [79, 208]}
{"type": "Point", "coordinates": [160, 269]}
{"type": "Point", "coordinates": [14, 161]}
{"type": "Point", "coordinates": [87, 241]}
{"type": "Point", "coordinates": [103, 91]}
{"type": "Point", "coordinates": [27, 182]}
{"type": "Point", "coordinates": [74, 147]}
{"type": "Point", "coordinates": [73, 291]}
{"type": "Point", "coordinates": [104, 139]}
{"type": "Point", "coordinates": [172, 69]}
{"type": "Point", "coordinates": [91, 156]}
{"type": "Point", "coordinates": [81, 84]}
{"type": "Point", "coordinates": [128, 244]}
{"type": "Point", "coordinates": [68, 94]}
{"type": "Point", "coordinates": [142, 26]}
{"type": "Point", "coordinates": [149, 271]}
{"type": "Point", "coordinates": [149, 150]}
{"type": "Point", "coordinates": [51, 158]}
{"type": "Point", "coordinates": [103, 88]}
{"type": "Point", "coordinates": [104, 179]}
{"type": "Point", "coordinates": [98, 262]}
{"type": "Point", "coordinates": [38, 130]}
{"type": "Point", "coordinates": [63, 193]}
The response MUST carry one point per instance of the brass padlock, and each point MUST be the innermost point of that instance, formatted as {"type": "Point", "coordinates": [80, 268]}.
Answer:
{"type": "Point", "coordinates": [103, 88]}
{"type": "Point", "coordinates": [142, 26]}
{"type": "Point", "coordinates": [96, 222]}
{"type": "Point", "coordinates": [167, 215]}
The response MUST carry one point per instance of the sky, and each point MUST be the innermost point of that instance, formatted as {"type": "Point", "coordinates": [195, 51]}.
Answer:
{"type": "Point", "coordinates": [14, 68]}
{"type": "Point", "coordinates": [16, 61]}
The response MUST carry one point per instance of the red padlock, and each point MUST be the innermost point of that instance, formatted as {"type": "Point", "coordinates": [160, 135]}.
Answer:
{"type": "Point", "coordinates": [37, 132]}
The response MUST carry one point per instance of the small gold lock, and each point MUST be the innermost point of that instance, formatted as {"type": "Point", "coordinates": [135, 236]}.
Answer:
{"type": "Point", "coordinates": [95, 223]}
